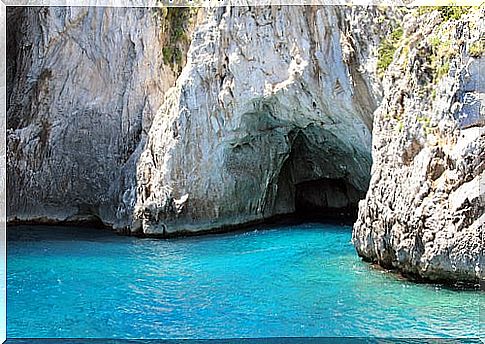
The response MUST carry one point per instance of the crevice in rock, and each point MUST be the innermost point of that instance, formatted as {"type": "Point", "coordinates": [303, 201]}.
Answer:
{"type": "Point", "coordinates": [14, 18]}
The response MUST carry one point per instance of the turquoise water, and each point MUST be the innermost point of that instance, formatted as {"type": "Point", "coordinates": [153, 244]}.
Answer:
{"type": "Point", "coordinates": [303, 280]}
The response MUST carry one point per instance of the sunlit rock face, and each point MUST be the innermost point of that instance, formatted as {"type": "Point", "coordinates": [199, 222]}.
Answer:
{"type": "Point", "coordinates": [83, 87]}
{"type": "Point", "coordinates": [272, 114]}
{"type": "Point", "coordinates": [424, 211]}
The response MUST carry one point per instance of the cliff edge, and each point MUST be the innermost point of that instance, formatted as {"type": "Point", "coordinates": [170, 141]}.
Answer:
{"type": "Point", "coordinates": [424, 212]}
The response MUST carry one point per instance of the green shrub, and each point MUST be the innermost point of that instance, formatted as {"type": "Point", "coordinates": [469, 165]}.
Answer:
{"type": "Point", "coordinates": [167, 55]}
{"type": "Point", "coordinates": [446, 12]}
{"type": "Point", "coordinates": [442, 70]}
{"type": "Point", "coordinates": [387, 48]}
{"type": "Point", "coordinates": [442, 52]}
{"type": "Point", "coordinates": [477, 48]}
{"type": "Point", "coordinates": [176, 21]}
{"type": "Point", "coordinates": [453, 12]}
{"type": "Point", "coordinates": [172, 55]}
{"type": "Point", "coordinates": [435, 41]}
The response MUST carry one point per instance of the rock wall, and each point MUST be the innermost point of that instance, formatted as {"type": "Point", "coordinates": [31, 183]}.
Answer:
{"type": "Point", "coordinates": [271, 99]}
{"type": "Point", "coordinates": [83, 87]}
{"type": "Point", "coordinates": [424, 211]}
{"type": "Point", "coordinates": [271, 114]}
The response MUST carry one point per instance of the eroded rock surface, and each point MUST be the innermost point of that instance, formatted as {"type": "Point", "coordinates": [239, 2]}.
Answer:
{"type": "Point", "coordinates": [83, 87]}
{"type": "Point", "coordinates": [424, 212]}
{"type": "Point", "coordinates": [273, 111]}
{"type": "Point", "coordinates": [272, 114]}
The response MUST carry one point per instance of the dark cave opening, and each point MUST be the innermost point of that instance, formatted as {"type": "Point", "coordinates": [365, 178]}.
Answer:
{"type": "Point", "coordinates": [325, 198]}
{"type": "Point", "coordinates": [315, 181]}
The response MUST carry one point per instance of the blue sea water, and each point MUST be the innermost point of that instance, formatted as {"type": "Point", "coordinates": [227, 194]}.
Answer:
{"type": "Point", "coordinates": [293, 281]}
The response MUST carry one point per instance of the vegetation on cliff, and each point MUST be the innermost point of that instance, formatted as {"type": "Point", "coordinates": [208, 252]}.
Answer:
{"type": "Point", "coordinates": [176, 22]}
{"type": "Point", "coordinates": [428, 152]}
{"type": "Point", "coordinates": [477, 48]}
{"type": "Point", "coordinates": [386, 50]}
{"type": "Point", "coordinates": [446, 12]}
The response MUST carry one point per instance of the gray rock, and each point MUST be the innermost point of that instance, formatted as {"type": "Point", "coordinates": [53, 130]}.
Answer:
{"type": "Point", "coordinates": [272, 112]}
{"type": "Point", "coordinates": [423, 213]}
{"type": "Point", "coordinates": [84, 85]}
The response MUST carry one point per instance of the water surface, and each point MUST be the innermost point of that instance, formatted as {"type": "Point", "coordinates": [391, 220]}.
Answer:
{"type": "Point", "coordinates": [303, 280]}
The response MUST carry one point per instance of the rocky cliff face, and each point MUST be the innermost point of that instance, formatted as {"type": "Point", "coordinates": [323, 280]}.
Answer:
{"type": "Point", "coordinates": [424, 211]}
{"type": "Point", "coordinates": [272, 114]}
{"type": "Point", "coordinates": [83, 87]}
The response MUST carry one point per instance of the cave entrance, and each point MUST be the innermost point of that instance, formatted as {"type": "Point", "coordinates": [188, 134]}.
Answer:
{"type": "Point", "coordinates": [321, 178]}
{"type": "Point", "coordinates": [325, 198]}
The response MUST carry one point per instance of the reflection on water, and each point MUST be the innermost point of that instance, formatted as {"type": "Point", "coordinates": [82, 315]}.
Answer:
{"type": "Point", "coordinates": [298, 281]}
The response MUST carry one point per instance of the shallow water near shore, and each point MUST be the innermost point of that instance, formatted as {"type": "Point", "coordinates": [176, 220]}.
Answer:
{"type": "Point", "coordinates": [290, 281]}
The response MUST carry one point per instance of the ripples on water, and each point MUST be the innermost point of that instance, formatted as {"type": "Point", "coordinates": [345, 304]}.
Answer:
{"type": "Point", "coordinates": [298, 281]}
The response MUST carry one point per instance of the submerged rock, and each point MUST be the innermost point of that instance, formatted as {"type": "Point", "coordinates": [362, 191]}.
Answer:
{"type": "Point", "coordinates": [424, 211]}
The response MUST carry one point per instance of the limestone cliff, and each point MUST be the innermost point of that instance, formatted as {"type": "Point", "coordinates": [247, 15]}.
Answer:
{"type": "Point", "coordinates": [83, 87]}
{"type": "Point", "coordinates": [424, 211]}
{"type": "Point", "coordinates": [272, 114]}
